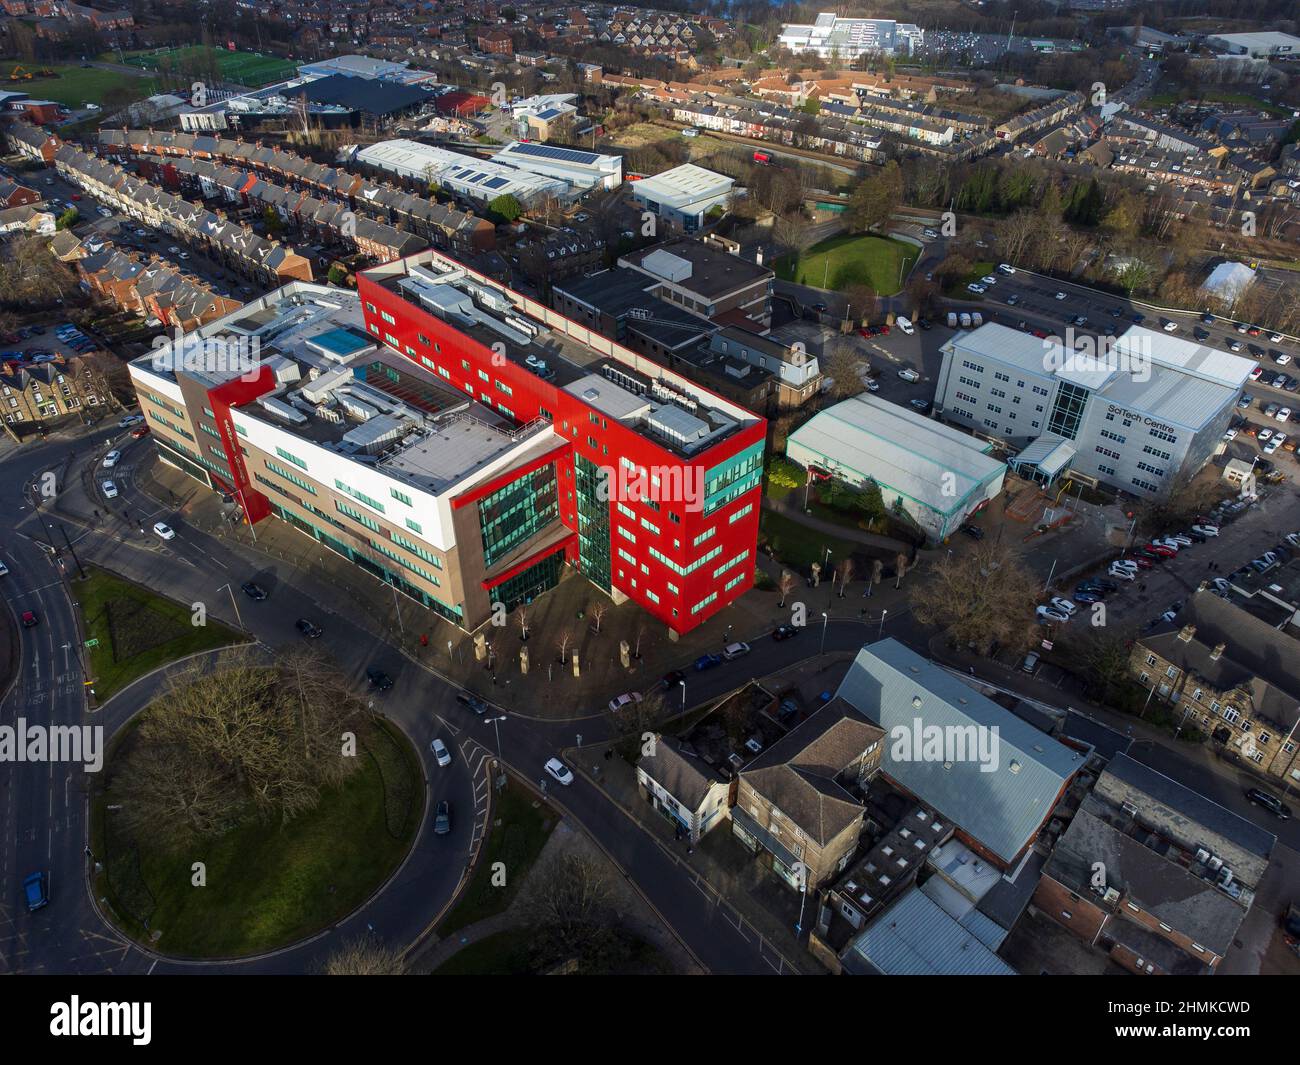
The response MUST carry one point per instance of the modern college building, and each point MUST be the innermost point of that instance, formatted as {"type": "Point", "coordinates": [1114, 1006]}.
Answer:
{"type": "Point", "coordinates": [847, 38]}
{"type": "Point", "coordinates": [1147, 412]}
{"type": "Point", "coordinates": [463, 444]}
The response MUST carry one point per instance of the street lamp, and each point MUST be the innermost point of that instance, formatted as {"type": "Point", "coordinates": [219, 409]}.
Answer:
{"type": "Point", "coordinates": [824, 620]}
{"type": "Point", "coordinates": [495, 722]}
{"type": "Point", "coordinates": [683, 687]}
{"type": "Point", "coordinates": [881, 636]}
{"type": "Point", "coordinates": [233, 603]}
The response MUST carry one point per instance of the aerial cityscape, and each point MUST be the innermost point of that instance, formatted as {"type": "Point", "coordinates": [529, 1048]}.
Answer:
{"type": "Point", "coordinates": [512, 488]}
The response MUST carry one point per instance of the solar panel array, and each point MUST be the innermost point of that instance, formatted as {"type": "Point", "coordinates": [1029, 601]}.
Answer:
{"type": "Point", "coordinates": [549, 151]}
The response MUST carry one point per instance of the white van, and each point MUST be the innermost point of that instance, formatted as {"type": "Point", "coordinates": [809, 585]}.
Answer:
{"type": "Point", "coordinates": [908, 374]}
{"type": "Point", "coordinates": [965, 320]}
{"type": "Point", "coordinates": [904, 325]}
{"type": "Point", "coordinates": [976, 319]}
{"type": "Point", "coordinates": [952, 320]}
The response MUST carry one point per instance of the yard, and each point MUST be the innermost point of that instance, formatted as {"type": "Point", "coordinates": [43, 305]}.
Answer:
{"type": "Point", "coordinates": [267, 884]}
{"type": "Point", "coordinates": [799, 546]}
{"type": "Point", "coordinates": [879, 263]}
{"type": "Point", "coordinates": [130, 631]}
{"type": "Point", "coordinates": [76, 86]}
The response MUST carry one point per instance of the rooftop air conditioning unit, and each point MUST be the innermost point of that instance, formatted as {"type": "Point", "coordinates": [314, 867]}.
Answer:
{"type": "Point", "coordinates": [1112, 895]}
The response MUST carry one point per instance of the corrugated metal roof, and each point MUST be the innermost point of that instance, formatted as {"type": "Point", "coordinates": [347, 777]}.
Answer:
{"type": "Point", "coordinates": [1002, 809]}
{"type": "Point", "coordinates": [914, 937]}
{"type": "Point", "coordinates": [927, 461]}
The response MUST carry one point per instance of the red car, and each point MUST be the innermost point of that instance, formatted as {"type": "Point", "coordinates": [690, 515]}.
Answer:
{"type": "Point", "coordinates": [1253, 331]}
{"type": "Point", "coordinates": [29, 619]}
{"type": "Point", "coordinates": [139, 431]}
{"type": "Point", "coordinates": [1140, 562]}
{"type": "Point", "coordinates": [1160, 549]}
{"type": "Point", "coordinates": [1039, 333]}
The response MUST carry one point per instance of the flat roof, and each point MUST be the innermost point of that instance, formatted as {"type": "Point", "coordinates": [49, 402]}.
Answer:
{"type": "Point", "coordinates": [684, 185]}
{"type": "Point", "coordinates": [901, 450]}
{"type": "Point", "coordinates": [699, 267]}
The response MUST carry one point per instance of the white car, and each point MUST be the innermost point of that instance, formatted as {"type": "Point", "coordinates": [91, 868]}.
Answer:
{"type": "Point", "coordinates": [1123, 573]}
{"type": "Point", "coordinates": [174, 249]}
{"type": "Point", "coordinates": [1046, 613]}
{"type": "Point", "coordinates": [1169, 542]}
{"type": "Point", "coordinates": [4, 570]}
{"type": "Point", "coordinates": [1006, 268]}
{"type": "Point", "coordinates": [626, 699]}
{"type": "Point", "coordinates": [110, 460]}
{"type": "Point", "coordinates": [1206, 530]}
{"type": "Point", "coordinates": [979, 290]}
{"type": "Point", "coordinates": [110, 489]}
{"type": "Point", "coordinates": [1125, 563]}
{"type": "Point", "coordinates": [1063, 605]}
{"type": "Point", "coordinates": [1060, 296]}
{"type": "Point", "coordinates": [440, 752]}
{"type": "Point", "coordinates": [1275, 338]}
{"type": "Point", "coordinates": [1180, 539]}
{"type": "Point", "coordinates": [1283, 359]}
{"type": "Point", "coordinates": [1231, 434]}
{"type": "Point", "coordinates": [989, 280]}
{"type": "Point", "coordinates": [735, 650]}
{"type": "Point", "coordinates": [1284, 415]}
{"type": "Point", "coordinates": [1220, 585]}
{"type": "Point", "coordinates": [1170, 327]}
{"type": "Point", "coordinates": [165, 531]}
{"type": "Point", "coordinates": [129, 420]}
{"type": "Point", "coordinates": [905, 325]}
{"type": "Point", "coordinates": [559, 771]}
{"type": "Point", "coordinates": [1264, 434]}
{"type": "Point", "coordinates": [872, 385]}
{"type": "Point", "coordinates": [1274, 444]}
{"type": "Point", "coordinates": [1293, 539]}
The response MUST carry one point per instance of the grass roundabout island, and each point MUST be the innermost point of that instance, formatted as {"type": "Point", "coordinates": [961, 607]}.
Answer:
{"type": "Point", "coordinates": [250, 805]}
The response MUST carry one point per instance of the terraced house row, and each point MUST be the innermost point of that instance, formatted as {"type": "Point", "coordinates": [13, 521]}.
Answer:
{"type": "Point", "coordinates": [151, 287]}
{"type": "Point", "coordinates": [233, 244]}
{"type": "Point", "coordinates": [459, 232]}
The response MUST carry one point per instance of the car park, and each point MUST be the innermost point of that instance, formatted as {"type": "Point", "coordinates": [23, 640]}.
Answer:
{"type": "Point", "coordinates": [626, 699]}
{"type": "Point", "coordinates": [308, 628]}
{"type": "Point", "coordinates": [440, 753]}
{"type": "Point", "coordinates": [558, 770]}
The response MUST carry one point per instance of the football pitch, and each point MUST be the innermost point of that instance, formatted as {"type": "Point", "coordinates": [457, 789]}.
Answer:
{"type": "Point", "coordinates": [240, 68]}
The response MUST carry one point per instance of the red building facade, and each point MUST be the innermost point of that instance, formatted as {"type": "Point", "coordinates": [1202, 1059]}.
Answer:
{"type": "Point", "coordinates": [673, 527]}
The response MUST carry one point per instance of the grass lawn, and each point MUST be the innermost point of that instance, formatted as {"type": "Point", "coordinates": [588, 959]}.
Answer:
{"type": "Point", "coordinates": [799, 546]}
{"type": "Point", "coordinates": [880, 263]}
{"type": "Point", "coordinates": [267, 884]}
{"type": "Point", "coordinates": [518, 833]}
{"type": "Point", "coordinates": [244, 68]}
{"type": "Point", "coordinates": [77, 85]}
{"type": "Point", "coordinates": [1218, 96]}
{"type": "Point", "coordinates": [137, 630]}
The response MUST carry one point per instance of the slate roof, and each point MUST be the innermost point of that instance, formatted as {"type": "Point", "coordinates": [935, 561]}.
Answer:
{"type": "Point", "coordinates": [680, 773]}
{"type": "Point", "coordinates": [797, 773]}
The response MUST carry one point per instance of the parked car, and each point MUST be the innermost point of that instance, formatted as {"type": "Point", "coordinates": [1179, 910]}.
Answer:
{"type": "Point", "coordinates": [253, 590]}
{"type": "Point", "coordinates": [1059, 296]}
{"type": "Point", "coordinates": [308, 628]}
{"type": "Point", "coordinates": [626, 699]}
{"type": "Point", "coordinates": [1030, 664]}
{"type": "Point", "coordinates": [378, 679]}
{"type": "Point", "coordinates": [1122, 573]}
{"type": "Point", "coordinates": [735, 650]}
{"type": "Point", "coordinates": [1088, 596]}
{"type": "Point", "coordinates": [671, 679]}
{"type": "Point", "coordinates": [1271, 803]}
{"type": "Point", "coordinates": [1063, 605]}
{"type": "Point", "coordinates": [139, 432]}
{"type": "Point", "coordinates": [1220, 585]}
{"type": "Point", "coordinates": [440, 753]}
{"type": "Point", "coordinates": [442, 819]}
{"type": "Point", "coordinates": [785, 632]}
{"type": "Point", "coordinates": [559, 771]}
{"type": "Point", "coordinates": [1206, 530]}
{"type": "Point", "coordinates": [707, 661]}
{"type": "Point", "coordinates": [973, 531]}
{"type": "Point", "coordinates": [1047, 613]}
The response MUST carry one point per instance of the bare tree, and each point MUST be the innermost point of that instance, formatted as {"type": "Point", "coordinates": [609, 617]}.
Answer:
{"type": "Point", "coordinates": [900, 568]}
{"type": "Point", "coordinates": [567, 906]}
{"type": "Point", "coordinates": [598, 610]}
{"type": "Point", "coordinates": [364, 956]}
{"type": "Point", "coordinates": [979, 597]}
{"type": "Point", "coordinates": [562, 644]}
{"type": "Point", "coordinates": [786, 583]}
{"type": "Point", "coordinates": [521, 619]}
{"type": "Point", "coordinates": [845, 571]}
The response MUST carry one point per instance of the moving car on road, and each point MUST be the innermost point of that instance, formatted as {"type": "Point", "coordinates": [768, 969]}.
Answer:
{"type": "Point", "coordinates": [35, 893]}
{"type": "Point", "coordinates": [110, 460]}
{"type": "Point", "coordinates": [442, 819]}
{"type": "Point", "coordinates": [559, 771]}
{"type": "Point", "coordinates": [253, 590]}
{"type": "Point", "coordinates": [308, 628]}
{"type": "Point", "coordinates": [30, 620]}
{"type": "Point", "coordinates": [110, 489]}
{"type": "Point", "coordinates": [164, 530]}
{"type": "Point", "coordinates": [626, 699]}
{"type": "Point", "coordinates": [1271, 803]}
{"type": "Point", "coordinates": [440, 753]}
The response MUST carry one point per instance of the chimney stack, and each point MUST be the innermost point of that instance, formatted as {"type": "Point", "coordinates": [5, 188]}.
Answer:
{"type": "Point", "coordinates": [1217, 653]}
{"type": "Point", "coordinates": [1186, 633]}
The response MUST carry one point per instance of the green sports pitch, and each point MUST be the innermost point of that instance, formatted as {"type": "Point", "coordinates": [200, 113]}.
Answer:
{"type": "Point", "coordinates": [239, 68]}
